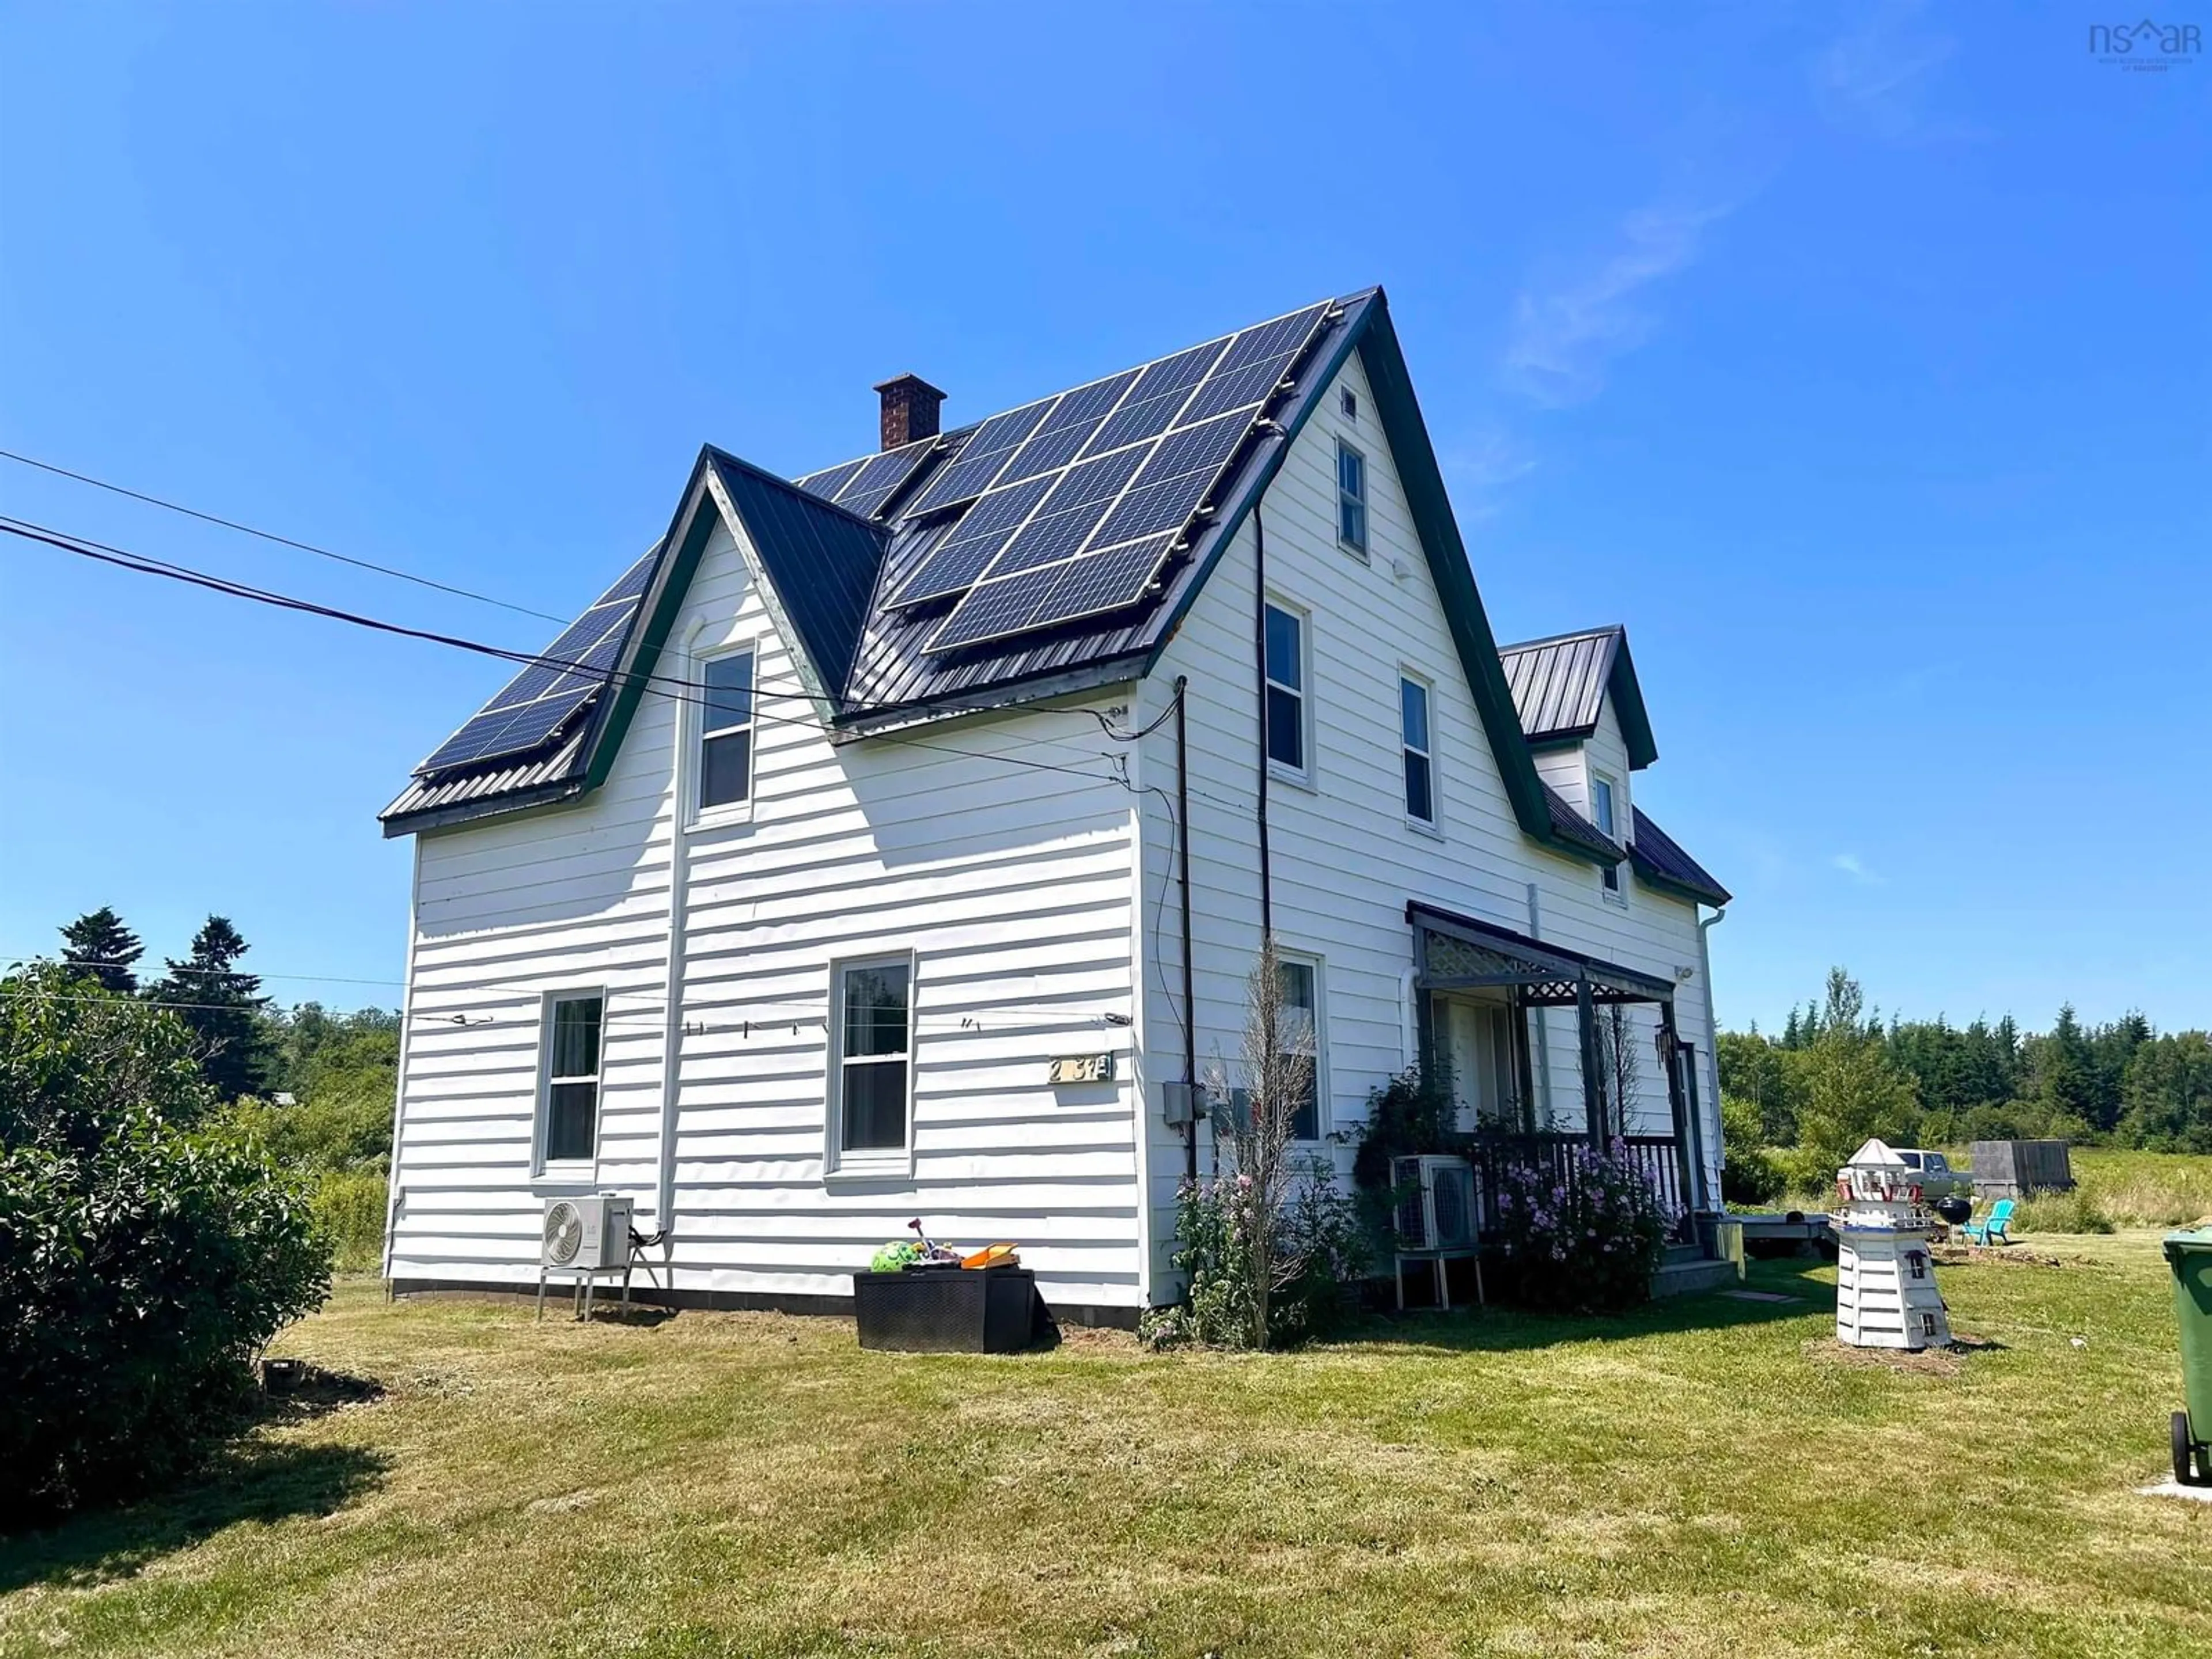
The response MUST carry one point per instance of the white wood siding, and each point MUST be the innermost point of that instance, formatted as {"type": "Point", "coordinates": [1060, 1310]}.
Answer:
{"type": "Point", "coordinates": [1010, 883]}
{"type": "Point", "coordinates": [1345, 862]}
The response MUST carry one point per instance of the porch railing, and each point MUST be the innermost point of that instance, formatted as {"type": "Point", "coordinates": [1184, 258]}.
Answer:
{"type": "Point", "coordinates": [1490, 1153]}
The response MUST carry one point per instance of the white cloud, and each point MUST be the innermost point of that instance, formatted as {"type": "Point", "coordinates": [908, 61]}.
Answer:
{"type": "Point", "coordinates": [1851, 865]}
{"type": "Point", "coordinates": [1877, 78]}
{"type": "Point", "coordinates": [1482, 466]}
{"type": "Point", "coordinates": [1566, 338]}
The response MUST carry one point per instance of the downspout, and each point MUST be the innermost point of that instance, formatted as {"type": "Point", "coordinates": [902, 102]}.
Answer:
{"type": "Point", "coordinates": [1189, 1007]}
{"type": "Point", "coordinates": [1712, 1024]}
{"type": "Point", "coordinates": [1259, 649]}
{"type": "Point", "coordinates": [671, 1053]}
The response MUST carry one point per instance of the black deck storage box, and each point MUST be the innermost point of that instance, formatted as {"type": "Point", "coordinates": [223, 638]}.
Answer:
{"type": "Point", "coordinates": [947, 1310]}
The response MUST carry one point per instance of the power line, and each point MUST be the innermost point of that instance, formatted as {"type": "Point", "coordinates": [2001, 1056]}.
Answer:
{"type": "Point", "coordinates": [94, 962]}
{"type": "Point", "coordinates": [271, 536]}
{"type": "Point", "coordinates": [687, 690]}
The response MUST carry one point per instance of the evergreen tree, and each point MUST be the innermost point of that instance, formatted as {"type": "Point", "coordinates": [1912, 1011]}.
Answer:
{"type": "Point", "coordinates": [223, 1008]}
{"type": "Point", "coordinates": [99, 947]}
{"type": "Point", "coordinates": [1851, 1089]}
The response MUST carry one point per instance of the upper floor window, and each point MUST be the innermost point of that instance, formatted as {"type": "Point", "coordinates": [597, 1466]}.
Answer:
{"type": "Point", "coordinates": [1604, 814]}
{"type": "Point", "coordinates": [1286, 688]}
{"type": "Point", "coordinates": [1348, 401]}
{"type": "Point", "coordinates": [572, 1078]}
{"type": "Point", "coordinates": [873, 1029]}
{"type": "Point", "coordinates": [726, 730]}
{"type": "Point", "coordinates": [1297, 1039]}
{"type": "Point", "coordinates": [1351, 497]}
{"type": "Point", "coordinates": [1420, 762]}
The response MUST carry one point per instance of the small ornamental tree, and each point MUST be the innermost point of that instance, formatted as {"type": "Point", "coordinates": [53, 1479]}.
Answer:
{"type": "Point", "coordinates": [1583, 1238]}
{"type": "Point", "coordinates": [143, 1263]}
{"type": "Point", "coordinates": [1270, 1245]}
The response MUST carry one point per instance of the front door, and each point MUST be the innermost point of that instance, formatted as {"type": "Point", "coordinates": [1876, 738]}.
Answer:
{"type": "Point", "coordinates": [1475, 1040]}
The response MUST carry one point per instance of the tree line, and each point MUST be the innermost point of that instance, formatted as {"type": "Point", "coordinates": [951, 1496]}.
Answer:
{"type": "Point", "coordinates": [1837, 1073]}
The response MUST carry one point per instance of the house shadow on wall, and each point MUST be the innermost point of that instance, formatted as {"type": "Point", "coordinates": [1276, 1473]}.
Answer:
{"type": "Point", "coordinates": [1499, 1328]}
{"type": "Point", "coordinates": [259, 1481]}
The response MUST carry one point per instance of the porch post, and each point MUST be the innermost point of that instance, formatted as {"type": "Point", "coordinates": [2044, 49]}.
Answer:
{"type": "Point", "coordinates": [1687, 1152]}
{"type": "Point", "coordinates": [1593, 1064]}
{"type": "Point", "coordinates": [1524, 1074]}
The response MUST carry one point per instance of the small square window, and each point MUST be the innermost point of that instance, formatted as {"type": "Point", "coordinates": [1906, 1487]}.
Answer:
{"type": "Point", "coordinates": [1286, 688]}
{"type": "Point", "coordinates": [1348, 401]}
{"type": "Point", "coordinates": [1351, 497]}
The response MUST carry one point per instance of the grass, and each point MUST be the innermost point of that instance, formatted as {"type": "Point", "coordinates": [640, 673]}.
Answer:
{"type": "Point", "coordinates": [1705, 1477]}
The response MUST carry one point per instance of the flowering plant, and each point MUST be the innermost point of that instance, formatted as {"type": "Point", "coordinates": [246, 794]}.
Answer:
{"type": "Point", "coordinates": [1582, 1235]}
{"type": "Point", "coordinates": [1318, 1255]}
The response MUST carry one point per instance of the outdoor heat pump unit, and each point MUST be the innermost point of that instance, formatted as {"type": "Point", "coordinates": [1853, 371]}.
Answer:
{"type": "Point", "coordinates": [589, 1234]}
{"type": "Point", "coordinates": [1436, 1203]}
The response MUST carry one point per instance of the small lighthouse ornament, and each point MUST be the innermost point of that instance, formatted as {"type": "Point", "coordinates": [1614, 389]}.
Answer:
{"type": "Point", "coordinates": [1886, 1294]}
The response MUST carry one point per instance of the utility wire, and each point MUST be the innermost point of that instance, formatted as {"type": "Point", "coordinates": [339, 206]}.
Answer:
{"type": "Point", "coordinates": [271, 536]}
{"type": "Point", "coordinates": [214, 972]}
{"type": "Point", "coordinates": [687, 690]}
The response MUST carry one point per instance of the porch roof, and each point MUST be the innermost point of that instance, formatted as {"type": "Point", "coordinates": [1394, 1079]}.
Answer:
{"type": "Point", "coordinates": [1457, 952]}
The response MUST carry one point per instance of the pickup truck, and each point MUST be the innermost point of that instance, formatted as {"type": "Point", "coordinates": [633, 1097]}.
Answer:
{"type": "Point", "coordinates": [1937, 1178]}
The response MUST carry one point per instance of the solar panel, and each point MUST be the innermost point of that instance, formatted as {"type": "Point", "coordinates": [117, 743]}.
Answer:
{"type": "Point", "coordinates": [881, 477]}
{"type": "Point", "coordinates": [569, 674]}
{"type": "Point", "coordinates": [973, 543]}
{"type": "Point", "coordinates": [977, 466]}
{"type": "Point", "coordinates": [827, 483]}
{"type": "Point", "coordinates": [1069, 590]}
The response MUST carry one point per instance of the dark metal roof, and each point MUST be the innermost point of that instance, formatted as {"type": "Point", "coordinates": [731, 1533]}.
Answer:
{"type": "Point", "coordinates": [1660, 859]}
{"type": "Point", "coordinates": [1559, 686]}
{"type": "Point", "coordinates": [1572, 826]}
{"type": "Point", "coordinates": [824, 573]}
{"type": "Point", "coordinates": [820, 563]}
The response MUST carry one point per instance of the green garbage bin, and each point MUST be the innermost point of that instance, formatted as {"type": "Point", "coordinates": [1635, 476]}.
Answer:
{"type": "Point", "coordinates": [2189, 1254]}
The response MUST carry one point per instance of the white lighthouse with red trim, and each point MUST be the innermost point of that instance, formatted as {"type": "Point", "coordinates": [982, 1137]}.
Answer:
{"type": "Point", "coordinates": [1886, 1294]}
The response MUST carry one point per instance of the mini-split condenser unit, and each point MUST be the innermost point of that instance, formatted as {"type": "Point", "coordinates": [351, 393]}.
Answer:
{"type": "Point", "coordinates": [587, 1234]}
{"type": "Point", "coordinates": [1436, 1203]}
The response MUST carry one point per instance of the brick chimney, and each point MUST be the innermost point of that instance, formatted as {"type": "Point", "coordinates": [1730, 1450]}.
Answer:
{"type": "Point", "coordinates": [910, 405]}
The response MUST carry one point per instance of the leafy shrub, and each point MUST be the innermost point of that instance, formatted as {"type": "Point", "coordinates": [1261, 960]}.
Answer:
{"type": "Point", "coordinates": [1749, 1173]}
{"type": "Point", "coordinates": [1412, 1113]}
{"type": "Point", "coordinates": [1216, 1221]}
{"type": "Point", "coordinates": [350, 1207]}
{"type": "Point", "coordinates": [2074, 1212]}
{"type": "Point", "coordinates": [142, 1263]}
{"type": "Point", "coordinates": [1585, 1239]}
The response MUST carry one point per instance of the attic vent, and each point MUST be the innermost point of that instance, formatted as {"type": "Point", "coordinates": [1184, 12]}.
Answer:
{"type": "Point", "coordinates": [910, 410]}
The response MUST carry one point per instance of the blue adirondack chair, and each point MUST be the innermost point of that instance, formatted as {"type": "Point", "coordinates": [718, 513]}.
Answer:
{"type": "Point", "coordinates": [1995, 1228]}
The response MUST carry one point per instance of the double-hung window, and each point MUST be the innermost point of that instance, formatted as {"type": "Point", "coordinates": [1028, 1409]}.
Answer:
{"type": "Point", "coordinates": [1351, 498]}
{"type": "Point", "coordinates": [726, 730]}
{"type": "Point", "coordinates": [1298, 1040]}
{"type": "Point", "coordinates": [572, 1033]}
{"type": "Point", "coordinates": [874, 1054]}
{"type": "Point", "coordinates": [1604, 814]}
{"type": "Point", "coordinates": [1286, 688]}
{"type": "Point", "coordinates": [1420, 759]}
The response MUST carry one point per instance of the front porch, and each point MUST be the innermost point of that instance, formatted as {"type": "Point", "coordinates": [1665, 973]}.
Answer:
{"type": "Point", "coordinates": [1486, 1001]}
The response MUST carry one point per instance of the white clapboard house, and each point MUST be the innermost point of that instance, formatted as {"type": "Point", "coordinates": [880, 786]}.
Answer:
{"type": "Point", "coordinates": [901, 842]}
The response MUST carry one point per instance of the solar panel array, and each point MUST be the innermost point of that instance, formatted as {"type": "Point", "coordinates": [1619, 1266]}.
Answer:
{"type": "Point", "coordinates": [539, 700]}
{"type": "Point", "coordinates": [1079, 499]}
{"type": "Point", "coordinates": [862, 486]}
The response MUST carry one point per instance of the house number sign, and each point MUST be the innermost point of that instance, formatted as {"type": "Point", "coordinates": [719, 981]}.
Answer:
{"type": "Point", "coordinates": [1083, 1068]}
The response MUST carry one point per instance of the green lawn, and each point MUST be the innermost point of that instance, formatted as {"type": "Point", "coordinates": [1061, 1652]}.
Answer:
{"type": "Point", "coordinates": [1708, 1477]}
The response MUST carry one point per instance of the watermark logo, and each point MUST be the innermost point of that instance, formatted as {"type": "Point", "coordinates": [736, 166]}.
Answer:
{"type": "Point", "coordinates": [2146, 46]}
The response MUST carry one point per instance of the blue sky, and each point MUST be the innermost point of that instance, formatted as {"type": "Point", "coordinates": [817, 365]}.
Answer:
{"type": "Point", "coordinates": [1856, 358]}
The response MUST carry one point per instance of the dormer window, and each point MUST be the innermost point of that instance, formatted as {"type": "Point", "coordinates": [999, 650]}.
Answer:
{"type": "Point", "coordinates": [1606, 815]}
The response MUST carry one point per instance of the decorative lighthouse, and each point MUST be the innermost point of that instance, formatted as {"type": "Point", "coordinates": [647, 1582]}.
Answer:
{"type": "Point", "coordinates": [1886, 1294]}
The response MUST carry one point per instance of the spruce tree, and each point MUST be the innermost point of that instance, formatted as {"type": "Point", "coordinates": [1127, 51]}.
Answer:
{"type": "Point", "coordinates": [99, 947]}
{"type": "Point", "coordinates": [223, 1007]}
